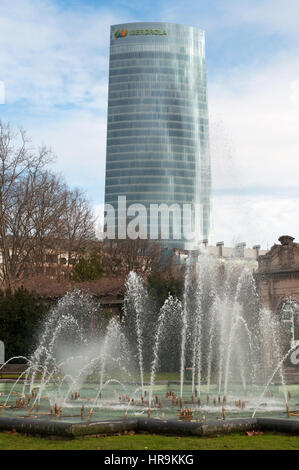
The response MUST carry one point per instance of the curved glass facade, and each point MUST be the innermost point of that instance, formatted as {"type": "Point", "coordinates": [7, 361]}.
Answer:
{"type": "Point", "coordinates": [158, 128]}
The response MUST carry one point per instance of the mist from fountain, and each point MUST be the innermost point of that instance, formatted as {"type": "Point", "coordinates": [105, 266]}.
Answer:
{"type": "Point", "coordinates": [217, 330]}
{"type": "Point", "coordinates": [277, 368]}
{"type": "Point", "coordinates": [135, 299]}
{"type": "Point", "coordinates": [185, 323]}
{"type": "Point", "coordinates": [173, 307]}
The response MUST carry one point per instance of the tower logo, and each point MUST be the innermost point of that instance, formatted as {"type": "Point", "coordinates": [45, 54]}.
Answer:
{"type": "Point", "coordinates": [121, 34]}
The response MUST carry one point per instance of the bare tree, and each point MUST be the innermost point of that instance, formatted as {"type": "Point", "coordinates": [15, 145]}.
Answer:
{"type": "Point", "coordinates": [19, 166]}
{"type": "Point", "coordinates": [141, 256]}
{"type": "Point", "coordinates": [46, 214]}
{"type": "Point", "coordinates": [78, 224]}
{"type": "Point", "coordinates": [40, 216]}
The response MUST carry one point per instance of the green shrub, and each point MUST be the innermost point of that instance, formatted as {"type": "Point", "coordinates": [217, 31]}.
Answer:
{"type": "Point", "coordinates": [88, 269]}
{"type": "Point", "coordinates": [20, 315]}
{"type": "Point", "coordinates": [160, 286]}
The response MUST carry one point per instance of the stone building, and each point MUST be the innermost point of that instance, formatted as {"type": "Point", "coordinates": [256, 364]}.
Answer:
{"type": "Point", "coordinates": [239, 252]}
{"type": "Point", "coordinates": [277, 278]}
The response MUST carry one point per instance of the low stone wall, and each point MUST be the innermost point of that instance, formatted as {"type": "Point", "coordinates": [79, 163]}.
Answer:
{"type": "Point", "coordinates": [157, 426]}
{"type": "Point", "coordinates": [13, 368]}
{"type": "Point", "coordinates": [60, 428]}
{"type": "Point", "coordinates": [154, 426]}
{"type": "Point", "coordinates": [279, 425]}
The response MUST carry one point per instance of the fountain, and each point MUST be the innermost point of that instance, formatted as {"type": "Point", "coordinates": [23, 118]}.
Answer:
{"type": "Point", "coordinates": [82, 373]}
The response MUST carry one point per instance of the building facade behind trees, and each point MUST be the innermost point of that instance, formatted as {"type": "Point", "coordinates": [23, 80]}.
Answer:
{"type": "Point", "coordinates": [277, 278]}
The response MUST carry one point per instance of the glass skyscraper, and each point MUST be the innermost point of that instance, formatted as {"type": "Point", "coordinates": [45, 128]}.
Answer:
{"type": "Point", "coordinates": [158, 127]}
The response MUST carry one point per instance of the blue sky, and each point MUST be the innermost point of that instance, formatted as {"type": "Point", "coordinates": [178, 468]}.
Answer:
{"type": "Point", "coordinates": [54, 64]}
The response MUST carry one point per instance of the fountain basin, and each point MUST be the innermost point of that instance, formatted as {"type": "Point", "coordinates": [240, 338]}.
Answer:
{"type": "Point", "coordinates": [156, 426]}
{"type": "Point", "coordinates": [118, 401]}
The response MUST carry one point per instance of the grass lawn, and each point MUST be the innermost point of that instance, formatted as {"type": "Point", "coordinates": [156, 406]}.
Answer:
{"type": "Point", "coordinates": [265, 441]}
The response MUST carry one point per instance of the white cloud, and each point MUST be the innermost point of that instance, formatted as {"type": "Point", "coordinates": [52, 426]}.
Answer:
{"type": "Point", "coordinates": [51, 57]}
{"type": "Point", "coordinates": [255, 220]}
{"type": "Point", "coordinates": [219, 17]}
{"type": "Point", "coordinates": [258, 109]}
{"type": "Point", "coordinates": [54, 63]}
{"type": "Point", "coordinates": [273, 16]}
{"type": "Point", "coordinates": [255, 150]}
{"type": "Point", "coordinates": [79, 142]}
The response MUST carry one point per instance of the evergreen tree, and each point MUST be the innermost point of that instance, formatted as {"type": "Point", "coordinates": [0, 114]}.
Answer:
{"type": "Point", "coordinates": [20, 315]}
{"type": "Point", "coordinates": [160, 286]}
{"type": "Point", "coordinates": [88, 269]}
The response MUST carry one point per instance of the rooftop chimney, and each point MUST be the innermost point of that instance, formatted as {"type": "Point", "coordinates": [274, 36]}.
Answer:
{"type": "Point", "coordinates": [220, 249]}
{"type": "Point", "coordinates": [205, 242]}
{"type": "Point", "coordinates": [257, 250]}
{"type": "Point", "coordinates": [240, 249]}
